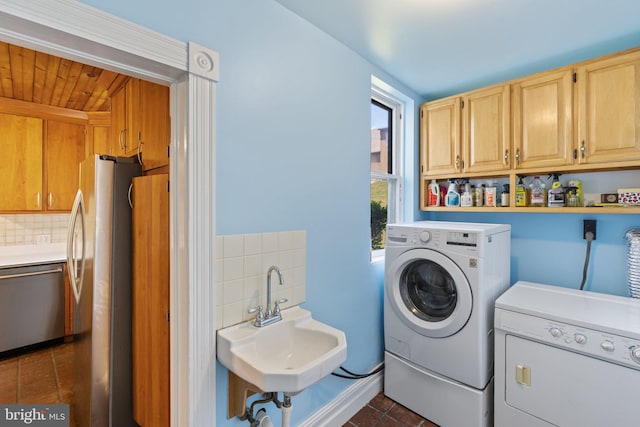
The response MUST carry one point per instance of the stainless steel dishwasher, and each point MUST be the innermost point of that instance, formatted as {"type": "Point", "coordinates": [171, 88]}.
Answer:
{"type": "Point", "coordinates": [31, 305]}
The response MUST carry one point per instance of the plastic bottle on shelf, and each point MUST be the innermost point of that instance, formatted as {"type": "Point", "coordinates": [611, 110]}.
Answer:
{"type": "Point", "coordinates": [453, 197]}
{"type": "Point", "coordinates": [504, 199]}
{"type": "Point", "coordinates": [521, 193]}
{"type": "Point", "coordinates": [466, 200]}
{"type": "Point", "coordinates": [538, 192]}
{"type": "Point", "coordinates": [490, 193]}
{"type": "Point", "coordinates": [556, 195]}
{"type": "Point", "coordinates": [434, 194]}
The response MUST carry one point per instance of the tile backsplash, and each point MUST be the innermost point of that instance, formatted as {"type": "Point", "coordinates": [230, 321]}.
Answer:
{"type": "Point", "coordinates": [242, 261]}
{"type": "Point", "coordinates": [31, 229]}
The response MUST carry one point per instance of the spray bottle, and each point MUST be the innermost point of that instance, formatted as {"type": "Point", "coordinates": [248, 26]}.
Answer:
{"type": "Point", "coordinates": [453, 197]}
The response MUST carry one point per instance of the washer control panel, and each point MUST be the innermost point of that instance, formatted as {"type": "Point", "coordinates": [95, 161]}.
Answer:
{"type": "Point", "coordinates": [459, 241]}
{"type": "Point", "coordinates": [611, 347]}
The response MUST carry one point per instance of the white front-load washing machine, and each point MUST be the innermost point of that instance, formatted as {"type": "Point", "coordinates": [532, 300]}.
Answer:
{"type": "Point", "coordinates": [441, 283]}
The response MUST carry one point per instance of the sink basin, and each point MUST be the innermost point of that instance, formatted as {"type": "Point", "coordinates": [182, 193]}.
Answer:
{"type": "Point", "coordinates": [287, 356]}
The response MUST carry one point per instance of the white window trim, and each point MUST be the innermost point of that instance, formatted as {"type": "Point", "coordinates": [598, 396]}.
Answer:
{"type": "Point", "coordinates": [387, 95]}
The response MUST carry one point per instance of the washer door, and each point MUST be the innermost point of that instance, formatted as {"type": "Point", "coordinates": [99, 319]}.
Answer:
{"type": "Point", "coordinates": [429, 292]}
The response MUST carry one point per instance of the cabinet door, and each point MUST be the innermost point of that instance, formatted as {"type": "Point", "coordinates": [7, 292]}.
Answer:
{"type": "Point", "coordinates": [150, 308]}
{"type": "Point", "coordinates": [21, 171]}
{"type": "Point", "coordinates": [440, 137]}
{"type": "Point", "coordinates": [64, 151]}
{"type": "Point", "coordinates": [542, 120]}
{"type": "Point", "coordinates": [118, 122]}
{"type": "Point", "coordinates": [132, 116]}
{"type": "Point", "coordinates": [486, 123]}
{"type": "Point", "coordinates": [155, 125]}
{"type": "Point", "coordinates": [609, 110]}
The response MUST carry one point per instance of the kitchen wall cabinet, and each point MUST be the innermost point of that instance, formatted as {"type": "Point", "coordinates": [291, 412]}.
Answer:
{"type": "Point", "coordinates": [543, 120]}
{"type": "Point", "coordinates": [485, 125]}
{"type": "Point", "coordinates": [64, 150]}
{"type": "Point", "coordinates": [141, 123]}
{"type": "Point", "coordinates": [98, 139]}
{"type": "Point", "coordinates": [21, 171]}
{"type": "Point", "coordinates": [150, 329]}
{"type": "Point", "coordinates": [155, 125]}
{"type": "Point", "coordinates": [608, 102]}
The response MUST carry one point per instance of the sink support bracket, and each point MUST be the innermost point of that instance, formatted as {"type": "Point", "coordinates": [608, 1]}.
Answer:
{"type": "Point", "coordinates": [239, 391]}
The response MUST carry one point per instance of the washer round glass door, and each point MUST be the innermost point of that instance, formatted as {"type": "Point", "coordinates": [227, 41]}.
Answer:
{"type": "Point", "coordinates": [429, 292]}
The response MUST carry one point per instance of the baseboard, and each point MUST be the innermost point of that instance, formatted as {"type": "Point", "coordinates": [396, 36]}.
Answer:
{"type": "Point", "coordinates": [346, 404]}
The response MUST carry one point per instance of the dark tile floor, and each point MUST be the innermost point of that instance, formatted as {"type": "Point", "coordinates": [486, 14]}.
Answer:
{"type": "Point", "coordinates": [38, 377]}
{"type": "Point", "coordinates": [384, 412]}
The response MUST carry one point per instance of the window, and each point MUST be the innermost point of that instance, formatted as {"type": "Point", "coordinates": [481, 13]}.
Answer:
{"type": "Point", "coordinates": [386, 166]}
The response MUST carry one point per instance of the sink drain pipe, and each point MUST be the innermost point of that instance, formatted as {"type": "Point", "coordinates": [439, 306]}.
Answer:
{"type": "Point", "coordinates": [287, 407]}
{"type": "Point", "coordinates": [262, 419]}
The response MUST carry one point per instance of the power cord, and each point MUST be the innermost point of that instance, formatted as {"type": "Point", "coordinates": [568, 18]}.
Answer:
{"type": "Point", "coordinates": [354, 376]}
{"type": "Point", "coordinates": [589, 236]}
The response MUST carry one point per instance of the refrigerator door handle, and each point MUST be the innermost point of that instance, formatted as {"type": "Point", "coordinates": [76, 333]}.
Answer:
{"type": "Point", "coordinates": [76, 275]}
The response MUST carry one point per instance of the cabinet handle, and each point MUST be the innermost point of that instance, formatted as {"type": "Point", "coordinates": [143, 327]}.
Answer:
{"type": "Point", "coordinates": [139, 151]}
{"type": "Point", "coordinates": [124, 139]}
{"type": "Point", "coordinates": [50, 199]}
{"type": "Point", "coordinates": [506, 158]}
{"type": "Point", "coordinates": [517, 157]}
{"type": "Point", "coordinates": [129, 195]}
{"type": "Point", "coordinates": [583, 150]}
{"type": "Point", "coordinates": [458, 162]}
{"type": "Point", "coordinates": [38, 200]}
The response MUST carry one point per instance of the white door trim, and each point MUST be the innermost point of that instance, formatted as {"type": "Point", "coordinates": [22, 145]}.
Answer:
{"type": "Point", "coordinates": [80, 32]}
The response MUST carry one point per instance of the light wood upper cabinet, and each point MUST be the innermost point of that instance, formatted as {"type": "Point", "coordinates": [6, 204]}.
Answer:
{"type": "Point", "coordinates": [608, 101]}
{"type": "Point", "coordinates": [99, 139]}
{"type": "Point", "coordinates": [485, 128]}
{"type": "Point", "coordinates": [150, 308]}
{"type": "Point", "coordinates": [440, 137]}
{"type": "Point", "coordinates": [155, 125]}
{"type": "Point", "coordinates": [123, 116]}
{"type": "Point", "coordinates": [21, 171]}
{"type": "Point", "coordinates": [543, 120]}
{"type": "Point", "coordinates": [64, 150]}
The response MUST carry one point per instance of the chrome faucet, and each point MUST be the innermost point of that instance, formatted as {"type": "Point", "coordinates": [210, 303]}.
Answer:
{"type": "Point", "coordinates": [271, 315]}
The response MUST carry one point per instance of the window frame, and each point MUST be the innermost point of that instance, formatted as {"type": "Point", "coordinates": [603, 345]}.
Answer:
{"type": "Point", "coordinates": [397, 137]}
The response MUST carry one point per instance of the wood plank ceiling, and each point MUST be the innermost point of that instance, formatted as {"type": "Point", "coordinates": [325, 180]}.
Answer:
{"type": "Point", "coordinates": [31, 76]}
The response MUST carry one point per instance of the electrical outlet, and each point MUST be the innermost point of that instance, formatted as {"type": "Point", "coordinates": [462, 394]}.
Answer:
{"type": "Point", "coordinates": [589, 225]}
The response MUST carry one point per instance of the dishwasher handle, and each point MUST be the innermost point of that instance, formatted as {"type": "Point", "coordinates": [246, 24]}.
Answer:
{"type": "Point", "coordinates": [33, 273]}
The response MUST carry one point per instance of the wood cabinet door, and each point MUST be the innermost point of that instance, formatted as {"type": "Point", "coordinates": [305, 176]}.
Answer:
{"type": "Point", "coordinates": [21, 171]}
{"type": "Point", "coordinates": [118, 123]}
{"type": "Point", "coordinates": [150, 307]}
{"type": "Point", "coordinates": [155, 125]}
{"type": "Point", "coordinates": [486, 123]}
{"type": "Point", "coordinates": [132, 116]}
{"type": "Point", "coordinates": [440, 137]}
{"type": "Point", "coordinates": [543, 120]}
{"type": "Point", "coordinates": [64, 150]}
{"type": "Point", "coordinates": [609, 110]}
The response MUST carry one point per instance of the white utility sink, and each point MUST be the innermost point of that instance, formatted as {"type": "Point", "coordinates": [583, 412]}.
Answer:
{"type": "Point", "coordinates": [286, 356]}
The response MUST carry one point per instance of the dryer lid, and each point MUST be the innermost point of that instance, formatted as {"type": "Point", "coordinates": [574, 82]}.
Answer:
{"type": "Point", "coordinates": [429, 292]}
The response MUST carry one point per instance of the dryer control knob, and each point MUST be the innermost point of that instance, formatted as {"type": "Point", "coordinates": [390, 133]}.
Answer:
{"type": "Point", "coordinates": [635, 353]}
{"type": "Point", "coordinates": [607, 345]}
{"type": "Point", "coordinates": [580, 338]}
{"type": "Point", "coordinates": [555, 332]}
{"type": "Point", "coordinates": [425, 236]}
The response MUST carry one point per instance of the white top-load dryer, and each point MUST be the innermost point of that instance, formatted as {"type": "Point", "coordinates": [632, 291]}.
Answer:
{"type": "Point", "coordinates": [441, 282]}
{"type": "Point", "coordinates": [566, 357]}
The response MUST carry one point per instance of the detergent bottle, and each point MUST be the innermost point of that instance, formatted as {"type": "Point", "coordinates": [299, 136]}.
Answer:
{"type": "Point", "coordinates": [453, 197]}
{"type": "Point", "coordinates": [433, 194]}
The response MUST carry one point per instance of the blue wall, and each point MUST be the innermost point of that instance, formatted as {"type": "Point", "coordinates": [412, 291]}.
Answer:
{"type": "Point", "coordinates": [292, 153]}
{"type": "Point", "coordinates": [293, 129]}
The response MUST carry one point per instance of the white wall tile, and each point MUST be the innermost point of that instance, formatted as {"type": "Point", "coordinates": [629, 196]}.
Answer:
{"type": "Point", "coordinates": [242, 262]}
{"type": "Point", "coordinates": [253, 244]}
{"type": "Point", "coordinates": [233, 246]}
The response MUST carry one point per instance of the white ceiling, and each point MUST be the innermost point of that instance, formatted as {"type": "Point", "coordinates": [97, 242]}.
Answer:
{"type": "Point", "coordinates": [440, 47]}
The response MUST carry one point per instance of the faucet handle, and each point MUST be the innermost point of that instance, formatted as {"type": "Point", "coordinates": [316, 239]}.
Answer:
{"type": "Point", "coordinates": [276, 310]}
{"type": "Point", "coordinates": [260, 315]}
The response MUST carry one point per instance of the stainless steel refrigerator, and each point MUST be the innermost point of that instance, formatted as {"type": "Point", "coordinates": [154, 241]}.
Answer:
{"type": "Point", "coordinates": [99, 265]}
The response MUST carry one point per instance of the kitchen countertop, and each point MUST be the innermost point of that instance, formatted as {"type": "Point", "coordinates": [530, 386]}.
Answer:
{"type": "Point", "coordinates": [21, 255]}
